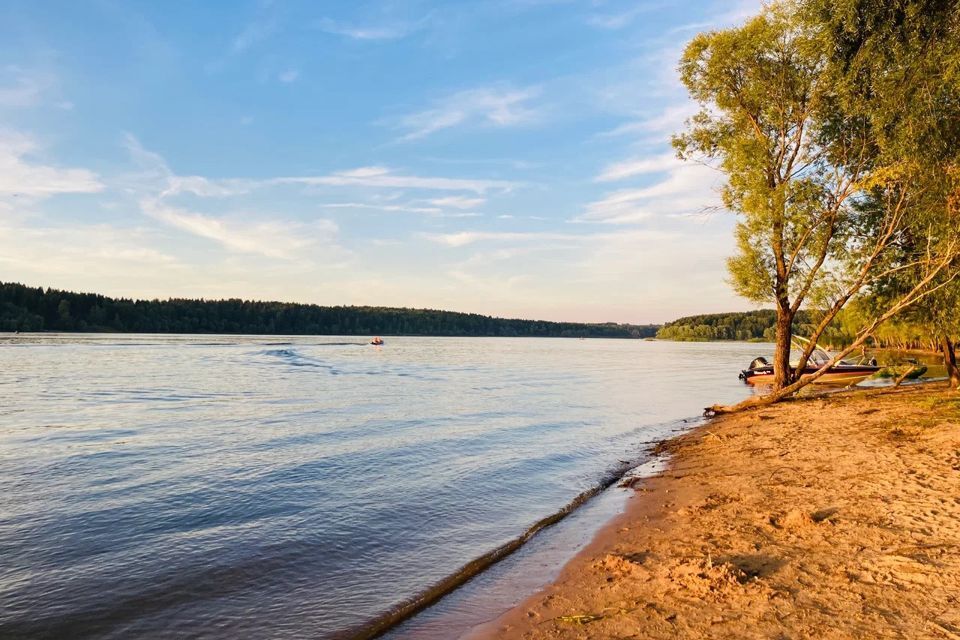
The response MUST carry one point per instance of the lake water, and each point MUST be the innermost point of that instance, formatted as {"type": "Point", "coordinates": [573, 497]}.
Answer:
{"type": "Point", "coordinates": [224, 486]}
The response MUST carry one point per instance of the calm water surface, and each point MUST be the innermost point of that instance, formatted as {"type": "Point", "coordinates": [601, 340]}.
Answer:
{"type": "Point", "coordinates": [222, 486]}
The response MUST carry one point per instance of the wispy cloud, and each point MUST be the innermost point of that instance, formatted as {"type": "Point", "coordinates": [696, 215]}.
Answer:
{"type": "Point", "coordinates": [458, 202]}
{"type": "Point", "coordinates": [154, 261]}
{"type": "Point", "coordinates": [288, 76]}
{"type": "Point", "coordinates": [156, 177]}
{"type": "Point", "coordinates": [526, 241]}
{"type": "Point", "coordinates": [521, 165]}
{"type": "Point", "coordinates": [686, 189]}
{"type": "Point", "coordinates": [392, 31]}
{"type": "Point", "coordinates": [383, 207]}
{"type": "Point", "coordinates": [264, 25]}
{"type": "Point", "coordinates": [737, 11]}
{"type": "Point", "coordinates": [638, 166]}
{"type": "Point", "coordinates": [658, 127]}
{"type": "Point", "coordinates": [226, 232]}
{"type": "Point", "coordinates": [624, 18]}
{"type": "Point", "coordinates": [254, 32]}
{"type": "Point", "coordinates": [437, 212]}
{"type": "Point", "coordinates": [496, 107]}
{"type": "Point", "coordinates": [20, 88]}
{"type": "Point", "coordinates": [524, 5]}
{"type": "Point", "coordinates": [384, 177]}
{"type": "Point", "coordinates": [463, 238]}
{"type": "Point", "coordinates": [371, 176]}
{"type": "Point", "coordinates": [267, 237]}
{"type": "Point", "coordinates": [264, 234]}
{"type": "Point", "coordinates": [46, 251]}
{"type": "Point", "coordinates": [19, 176]}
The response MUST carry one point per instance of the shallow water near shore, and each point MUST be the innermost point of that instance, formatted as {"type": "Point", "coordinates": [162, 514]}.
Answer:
{"type": "Point", "coordinates": [224, 486]}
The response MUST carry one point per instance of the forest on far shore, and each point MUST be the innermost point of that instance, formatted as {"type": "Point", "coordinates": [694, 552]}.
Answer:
{"type": "Point", "coordinates": [24, 308]}
{"type": "Point", "coordinates": [761, 326]}
{"type": "Point", "coordinates": [745, 325]}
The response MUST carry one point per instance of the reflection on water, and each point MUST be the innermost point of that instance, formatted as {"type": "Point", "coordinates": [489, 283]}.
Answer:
{"type": "Point", "coordinates": [283, 487]}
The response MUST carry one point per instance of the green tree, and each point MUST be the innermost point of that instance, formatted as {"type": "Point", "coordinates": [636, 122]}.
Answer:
{"type": "Point", "coordinates": [899, 64]}
{"type": "Point", "coordinates": [765, 122]}
{"type": "Point", "coordinates": [800, 152]}
{"type": "Point", "coordinates": [24, 308]}
{"type": "Point", "coordinates": [63, 313]}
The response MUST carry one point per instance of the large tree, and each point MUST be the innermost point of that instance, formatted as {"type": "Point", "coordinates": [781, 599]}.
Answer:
{"type": "Point", "coordinates": [898, 63]}
{"type": "Point", "coordinates": [818, 212]}
{"type": "Point", "coordinates": [766, 121]}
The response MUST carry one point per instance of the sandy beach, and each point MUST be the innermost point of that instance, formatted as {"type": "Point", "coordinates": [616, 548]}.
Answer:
{"type": "Point", "coordinates": [830, 517]}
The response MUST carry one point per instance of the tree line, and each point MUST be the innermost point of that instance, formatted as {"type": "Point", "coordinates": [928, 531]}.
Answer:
{"type": "Point", "coordinates": [24, 308]}
{"type": "Point", "coordinates": [837, 126]}
{"type": "Point", "coordinates": [761, 326]}
{"type": "Point", "coordinates": [757, 325]}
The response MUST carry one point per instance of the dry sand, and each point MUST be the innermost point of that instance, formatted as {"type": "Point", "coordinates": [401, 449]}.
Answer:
{"type": "Point", "coordinates": [832, 517]}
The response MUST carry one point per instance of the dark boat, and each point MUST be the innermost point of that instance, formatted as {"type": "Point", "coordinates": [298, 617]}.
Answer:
{"type": "Point", "coordinates": [761, 372]}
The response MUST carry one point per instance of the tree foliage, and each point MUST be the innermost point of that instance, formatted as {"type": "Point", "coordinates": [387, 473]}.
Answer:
{"type": "Point", "coordinates": [792, 160]}
{"type": "Point", "coordinates": [900, 63]}
{"type": "Point", "coordinates": [757, 325]}
{"type": "Point", "coordinates": [823, 170]}
{"type": "Point", "coordinates": [24, 308]}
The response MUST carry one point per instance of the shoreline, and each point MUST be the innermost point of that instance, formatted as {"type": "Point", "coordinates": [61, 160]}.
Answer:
{"type": "Point", "coordinates": [403, 620]}
{"type": "Point", "coordinates": [434, 593]}
{"type": "Point", "coordinates": [830, 516]}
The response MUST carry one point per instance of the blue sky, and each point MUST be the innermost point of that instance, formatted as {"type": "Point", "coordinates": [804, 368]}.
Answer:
{"type": "Point", "coordinates": [508, 157]}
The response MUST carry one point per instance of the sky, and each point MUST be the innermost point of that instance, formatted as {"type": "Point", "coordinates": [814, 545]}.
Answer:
{"type": "Point", "coordinates": [505, 157]}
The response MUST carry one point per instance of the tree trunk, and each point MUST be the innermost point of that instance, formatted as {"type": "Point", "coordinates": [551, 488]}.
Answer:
{"type": "Point", "coordinates": [950, 360]}
{"type": "Point", "coordinates": [904, 375]}
{"type": "Point", "coordinates": [781, 358]}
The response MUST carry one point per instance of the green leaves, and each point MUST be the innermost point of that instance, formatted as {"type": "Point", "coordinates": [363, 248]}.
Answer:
{"type": "Point", "coordinates": [837, 123]}
{"type": "Point", "coordinates": [760, 86]}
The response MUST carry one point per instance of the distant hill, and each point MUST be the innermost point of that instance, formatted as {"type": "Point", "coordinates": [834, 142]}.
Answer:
{"type": "Point", "coordinates": [24, 308]}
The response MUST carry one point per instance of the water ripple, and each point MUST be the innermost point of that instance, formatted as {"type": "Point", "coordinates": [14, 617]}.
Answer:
{"type": "Point", "coordinates": [159, 486]}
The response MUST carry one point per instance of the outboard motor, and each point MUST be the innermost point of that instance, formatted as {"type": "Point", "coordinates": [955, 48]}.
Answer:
{"type": "Point", "coordinates": [756, 364]}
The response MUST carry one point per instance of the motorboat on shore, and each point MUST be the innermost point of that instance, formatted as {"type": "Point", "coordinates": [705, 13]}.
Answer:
{"type": "Point", "coordinates": [843, 372]}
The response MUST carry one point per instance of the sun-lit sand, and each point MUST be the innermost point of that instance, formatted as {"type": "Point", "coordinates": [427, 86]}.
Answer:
{"type": "Point", "coordinates": [821, 518]}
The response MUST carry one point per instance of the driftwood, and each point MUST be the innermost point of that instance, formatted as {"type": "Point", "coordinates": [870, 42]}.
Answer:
{"type": "Point", "coordinates": [899, 380]}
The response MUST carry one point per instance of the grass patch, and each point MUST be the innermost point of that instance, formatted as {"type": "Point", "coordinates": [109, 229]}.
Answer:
{"type": "Point", "coordinates": [946, 405]}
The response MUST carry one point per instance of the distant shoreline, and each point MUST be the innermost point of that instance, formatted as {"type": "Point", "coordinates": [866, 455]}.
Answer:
{"type": "Point", "coordinates": [313, 335]}
{"type": "Point", "coordinates": [35, 309]}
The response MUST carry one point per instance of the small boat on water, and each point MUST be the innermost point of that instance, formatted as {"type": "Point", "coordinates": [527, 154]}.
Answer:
{"type": "Point", "coordinates": [378, 341]}
{"type": "Point", "coordinates": [843, 372]}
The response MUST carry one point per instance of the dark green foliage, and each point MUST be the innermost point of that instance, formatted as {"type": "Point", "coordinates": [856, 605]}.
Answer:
{"type": "Point", "coordinates": [25, 308]}
{"type": "Point", "coordinates": [744, 325]}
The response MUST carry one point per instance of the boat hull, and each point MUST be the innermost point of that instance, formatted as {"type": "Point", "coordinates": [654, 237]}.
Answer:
{"type": "Point", "coordinates": [841, 374]}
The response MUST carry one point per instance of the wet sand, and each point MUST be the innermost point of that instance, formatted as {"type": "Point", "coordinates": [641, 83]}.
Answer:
{"type": "Point", "coordinates": [834, 517]}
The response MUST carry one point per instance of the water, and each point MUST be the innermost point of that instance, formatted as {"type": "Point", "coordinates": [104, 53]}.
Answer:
{"type": "Point", "coordinates": [471, 611]}
{"type": "Point", "coordinates": [219, 487]}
